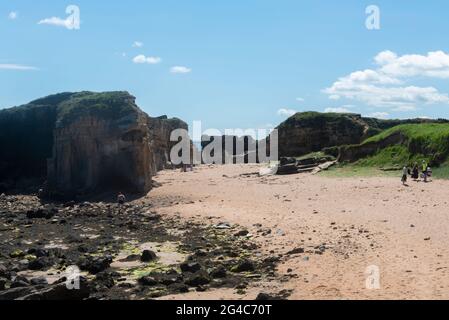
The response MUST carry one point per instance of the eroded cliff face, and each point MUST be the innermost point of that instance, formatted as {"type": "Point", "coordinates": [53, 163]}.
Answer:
{"type": "Point", "coordinates": [92, 153]}
{"type": "Point", "coordinates": [93, 142]}
{"type": "Point", "coordinates": [305, 133]}
{"type": "Point", "coordinates": [160, 130]}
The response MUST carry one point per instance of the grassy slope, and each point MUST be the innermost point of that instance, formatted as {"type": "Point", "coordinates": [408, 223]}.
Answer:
{"type": "Point", "coordinates": [424, 141]}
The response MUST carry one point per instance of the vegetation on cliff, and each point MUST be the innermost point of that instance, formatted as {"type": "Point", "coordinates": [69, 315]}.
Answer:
{"type": "Point", "coordinates": [428, 142]}
{"type": "Point", "coordinates": [395, 147]}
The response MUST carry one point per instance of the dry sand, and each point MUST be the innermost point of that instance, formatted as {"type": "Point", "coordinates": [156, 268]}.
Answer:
{"type": "Point", "coordinates": [361, 222]}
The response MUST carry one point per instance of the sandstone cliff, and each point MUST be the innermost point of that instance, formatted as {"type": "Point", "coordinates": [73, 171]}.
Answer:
{"type": "Point", "coordinates": [81, 142]}
{"type": "Point", "coordinates": [160, 130]}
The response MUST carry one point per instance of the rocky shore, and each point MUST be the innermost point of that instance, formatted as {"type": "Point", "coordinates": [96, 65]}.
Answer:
{"type": "Point", "coordinates": [128, 252]}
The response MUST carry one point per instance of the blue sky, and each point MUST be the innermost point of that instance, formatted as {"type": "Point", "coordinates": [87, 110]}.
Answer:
{"type": "Point", "coordinates": [241, 64]}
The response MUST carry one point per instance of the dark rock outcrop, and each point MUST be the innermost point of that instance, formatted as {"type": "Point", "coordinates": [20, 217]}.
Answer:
{"type": "Point", "coordinates": [82, 142]}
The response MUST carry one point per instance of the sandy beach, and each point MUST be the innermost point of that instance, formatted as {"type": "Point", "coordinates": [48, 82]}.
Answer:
{"type": "Point", "coordinates": [344, 226]}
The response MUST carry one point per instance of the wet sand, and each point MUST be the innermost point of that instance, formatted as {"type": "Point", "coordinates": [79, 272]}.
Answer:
{"type": "Point", "coordinates": [344, 226]}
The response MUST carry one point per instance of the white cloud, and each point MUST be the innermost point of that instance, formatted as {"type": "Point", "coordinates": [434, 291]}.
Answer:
{"type": "Point", "coordinates": [17, 67]}
{"type": "Point", "coordinates": [379, 115]}
{"type": "Point", "coordinates": [300, 99]}
{"type": "Point", "coordinates": [337, 110]}
{"type": "Point", "coordinates": [137, 44]}
{"type": "Point", "coordinates": [141, 59]}
{"type": "Point", "coordinates": [58, 22]}
{"type": "Point", "coordinates": [13, 15]}
{"type": "Point", "coordinates": [180, 69]}
{"type": "Point", "coordinates": [284, 112]}
{"type": "Point", "coordinates": [434, 64]}
{"type": "Point", "coordinates": [386, 86]}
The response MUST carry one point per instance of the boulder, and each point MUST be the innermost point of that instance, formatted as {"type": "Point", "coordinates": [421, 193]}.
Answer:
{"type": "Point", "coordinates": [199, 278]}
{"type": "Point", "coordinates": [40, 281]}
{"type": "Point", "coordinates": [15, 293]}
{"type": "Point", "coordinates": [41, 213]}
{"type": "Point", "coordinates": [59, 291]}
{"type": "Point", "coordinates": [190, 267]}
{"type": "Point", "coordinates": [218, 272]}
{"type": "Point", "coordinates": [148, 281]}
{"type": "Point", "coordinates": [148, 256]}
{"type": "Point", "coordinates": [40, 263]}
{"type": "Point", "coordinates": [95, 265]}
{"type": "Point", "coordinates": [244, 265]}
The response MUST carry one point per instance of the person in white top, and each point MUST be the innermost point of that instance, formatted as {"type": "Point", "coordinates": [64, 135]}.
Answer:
{"type": "Point", "coordinates": [404, 175]}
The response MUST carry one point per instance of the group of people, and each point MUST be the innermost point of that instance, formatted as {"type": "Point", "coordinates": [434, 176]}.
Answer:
{"type": "Point", "coordinates": [426, 172]}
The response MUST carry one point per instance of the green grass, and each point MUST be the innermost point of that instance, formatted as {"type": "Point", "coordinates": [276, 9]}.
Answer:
{"type": "Point", "coordinates": [441, 172]}
{"type": "Point", "coordinates": [429, 141]}
{"type": "Point", "coordinates": [354, 171]}
{"type": "Point", "coordinates": [394, 156]}
{"type": "Point", "coordinates": [430, 133]}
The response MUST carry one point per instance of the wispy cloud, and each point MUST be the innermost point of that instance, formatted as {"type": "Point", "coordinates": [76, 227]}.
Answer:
{"type": "Point", "coordinates": [337, 110]}
{"type": "Point", "coordinates": [142, 59]}
{"type": "Point", "coordinates": [299, 99]}
{"type": "Point", "coordinates": [180, 69]}
{"type": "Point", "coordinates": [137, 44]}
{"type": "Point", "coordinates": [18, 67]}
{"type": "Point", "coordinates": [285, 112]}
{"type": "Point", "coordinates": [13, 15]}
{"type": "Point", "coordinates": [386, 86]}
{"type": "Point", "coordinates": [379, 115]}
{"type": "Point", "coordinates": [55, 21]}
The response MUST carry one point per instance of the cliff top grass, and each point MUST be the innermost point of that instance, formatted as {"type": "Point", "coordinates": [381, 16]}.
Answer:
{"type": "Point", "coordinates": [374, 125]}
{"type": "Point", "coordinates": [433, 135]}
{"type": "Point", "coordinates": [319, 117]}
{"type": "Point", "coordinates": [111, 105]}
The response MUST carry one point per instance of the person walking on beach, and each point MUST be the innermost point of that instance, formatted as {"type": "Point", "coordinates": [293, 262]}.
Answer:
{"type": "Point", "coordinates": [415, 172]}
{"type": "Point", "coordinates": [424, 170]}
{"type": "Point", "coordinates": [404, 175]}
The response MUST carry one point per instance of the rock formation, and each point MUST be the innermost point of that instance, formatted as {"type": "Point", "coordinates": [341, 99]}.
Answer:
{"type": "Point", "coordinates": [235, 149]}
{"type": "Point", "coordinates": [81, 142]}
{"type": "Point", "coordinates": [309, 132]}
{"type": "Point", "coordinates": [160, 144]}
